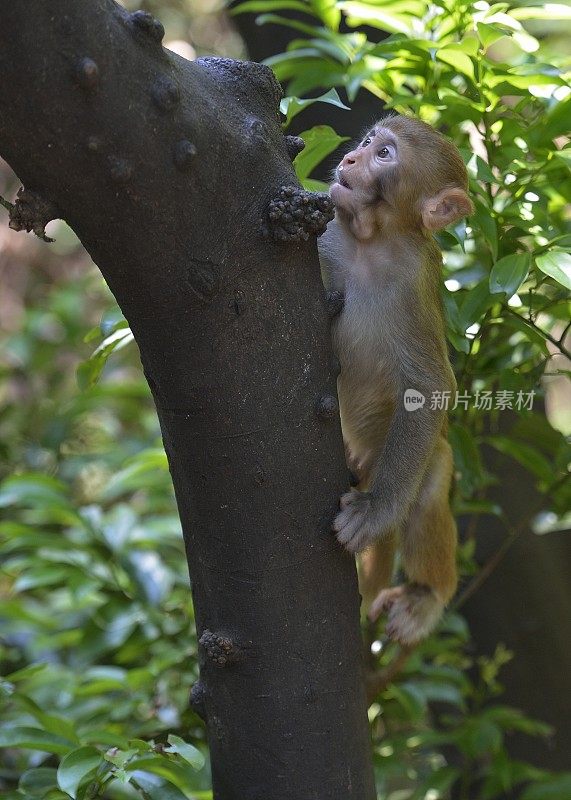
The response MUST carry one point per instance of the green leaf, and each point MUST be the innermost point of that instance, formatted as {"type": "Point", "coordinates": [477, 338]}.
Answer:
{"type": "Point", "coordinates": [483, 171]}
{"type": "Point", "coordinates": [489, 34]}
{"type": "Point", "coordinates": [41, 576]}
{"type": "Point", "coordinates": [481, 736]}
{"type": "Point", "coordinates": [484, 220]}
{"type": "Point", "coordinates": [45, 495]}
{"type": "Point", "coordinates": [26, 672]}
{"type": "Point", "coordinates": [75, 766]}
{"type": "Point", "coordinates": [50, 722]}
{"type": "Point", "coordinates": [156, 788]}
{"type": "Point", "coordinates": [34, 739]}
{"type": "Point", "coordinates": [564, 155]}
{"type": "Point", "coordinates": [119, 757]}
{"type": "Point", "coordinates": [254, 6]}
{"type": "Point", "coordinates": [143, 470]}
{"type": "Point", "coordinates": [111, 321]}
{"type": "Point", "coordinates": [315, 186]}
{"type": "Point", "coordinates": [275, 19]}
{"type": "Point", "coordinates": [459, 342]}
{"type": "Point", "coordinates": [38, 782]}
{"type": "Point", "coordinates": [458, 233]}
{"type": "Point", "coordinates": [548, 11]}
{"type": "Point", "coordinates": [527, 455]}
{"type": "Point", "coordinates": [556, 121]}
{"type": "Point", "coordinates": [440, 692]}
{"type": "Point", "coordinates": [379, 16]}
{"type": "Point", "coordinates": [409, 697]}
{"type": "Point", "coordinates": [556, 264]}
{"type": "Point", "coordinates": [530, 333]}
{"type": "Point", "coordinates": [328, 12]}
{"type": "Point", "coordinates": [557, 787]}
{"type": "Point", "coordinates": [456, 58]}
{"type": "Point", "coordinates": [187, 751]}
{"type": "Point", "coordinates": [477, 507]}
{"type": "Point", "coordinates": [509, 273]}
{"type": "Point", "coordinates": [89, 371]}
{"type": "Point", "coordinates": [499, 778]}
{"type": "Point", "coordinates": [30, 489]}
{"type": "Point", "coordinates": [292, 106]}
{"type": "Point", "coordinates": [466, 458]}
{"type": "Point", "coordinates": [475, 304]}
{"type": "Point", "coordinates": [439, 781]}
{"type": "Point", "coordinates": [319, 142]}
{"type": "Point", "coordinates": [513, 719]}
{"type": "Point", "coordinates": [504, 80]}
{"type": "Point", "coordinates": [165, 768]}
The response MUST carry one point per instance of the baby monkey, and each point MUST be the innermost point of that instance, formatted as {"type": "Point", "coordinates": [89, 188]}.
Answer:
{"type": "Point", "coordinates": [382, 266]}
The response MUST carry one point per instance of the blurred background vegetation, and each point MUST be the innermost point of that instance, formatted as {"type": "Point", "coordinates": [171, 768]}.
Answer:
{"type": "Point", "coordinates": [97, 647]}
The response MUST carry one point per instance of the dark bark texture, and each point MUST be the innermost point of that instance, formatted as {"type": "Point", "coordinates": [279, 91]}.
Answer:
{"type": "Point", "coordinates": [165, 169]}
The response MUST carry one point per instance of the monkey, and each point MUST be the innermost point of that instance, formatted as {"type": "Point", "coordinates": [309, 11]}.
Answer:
{"type": "Point", "coordinates": [402, 183]}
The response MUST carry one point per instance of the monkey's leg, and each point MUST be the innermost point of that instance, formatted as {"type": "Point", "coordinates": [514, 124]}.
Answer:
{"type": "Point", "coordinates": [428, 548]}
{"type": "Point", "coordinates": [376, 569]}
{"type": "Point", "coordinates": [376, 563]}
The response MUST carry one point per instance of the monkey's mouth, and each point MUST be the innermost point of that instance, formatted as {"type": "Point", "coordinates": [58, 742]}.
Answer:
{"type": "Point", "coordinates": [341, 179]}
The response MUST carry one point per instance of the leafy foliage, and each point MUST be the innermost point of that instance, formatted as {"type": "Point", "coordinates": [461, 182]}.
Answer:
{"type": "Point", "coordinates": [98, 650]}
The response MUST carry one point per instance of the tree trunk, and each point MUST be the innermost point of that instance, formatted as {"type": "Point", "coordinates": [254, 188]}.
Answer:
{"type": "Point", "coordinates": [165, 170]}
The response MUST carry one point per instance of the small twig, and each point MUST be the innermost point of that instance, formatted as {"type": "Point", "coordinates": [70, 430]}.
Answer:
{"type": "Point", "coordinates": [555, 342]}
{"type": "Point", "coordinates": [376, 682]}
{"type": "Point", "coordinates": [486, 570]}
{"type": "Point", "coordinates": [513, 534]}
{"type": "Point", "coordinates": [30, 212]}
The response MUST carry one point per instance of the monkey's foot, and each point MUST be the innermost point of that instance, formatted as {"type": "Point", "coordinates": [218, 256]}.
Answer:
{"type": "Point", "coordinates": [356, 525]}
{"type": "Point", "coordinates": [413, 611]}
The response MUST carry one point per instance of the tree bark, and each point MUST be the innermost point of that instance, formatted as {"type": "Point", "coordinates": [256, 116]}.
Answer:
{"type": "Point", "coordinates": [165, 169]}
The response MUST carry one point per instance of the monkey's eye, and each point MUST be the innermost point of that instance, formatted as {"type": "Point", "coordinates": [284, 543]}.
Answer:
{"type": "Point", "coordinates": [385, 153]}
{"type": "Point", "coordinates": [366, 141]}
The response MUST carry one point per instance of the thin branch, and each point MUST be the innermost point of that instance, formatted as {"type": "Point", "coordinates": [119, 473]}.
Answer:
{"type": "Point", "coordinates": [377, 682]}
{"type": "Point", "coordinates": [555, 342]}
{"type": "Point", "coordinates": [513, 534]}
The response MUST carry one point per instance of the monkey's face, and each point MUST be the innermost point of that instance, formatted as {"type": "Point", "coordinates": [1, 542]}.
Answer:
{"type": "Point", "coordinates": [403, 175]}
{"type": "Point", "coordinates": [367, 175]}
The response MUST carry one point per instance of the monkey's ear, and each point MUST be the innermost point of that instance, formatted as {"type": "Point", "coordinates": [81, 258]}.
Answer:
{"type": "Point", "coordinates": [444, 208]}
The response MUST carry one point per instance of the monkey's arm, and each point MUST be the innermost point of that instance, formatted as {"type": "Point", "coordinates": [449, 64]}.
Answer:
{"type": "Point", "coordinates": [399, 468]}
{"type": "Point", "coordinates": [331, 251]}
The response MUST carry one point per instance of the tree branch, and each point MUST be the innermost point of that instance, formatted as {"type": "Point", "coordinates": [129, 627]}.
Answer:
{"type": "Point", "coordinates": [558, 343]}
{"type": "Point", "coordinates": [165, 169]}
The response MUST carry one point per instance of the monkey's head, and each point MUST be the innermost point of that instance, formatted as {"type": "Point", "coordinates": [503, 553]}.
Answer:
{"type": "Point", "coordinates": [403, 176]}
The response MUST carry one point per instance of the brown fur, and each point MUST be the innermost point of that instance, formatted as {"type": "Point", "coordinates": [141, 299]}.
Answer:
{"type": "Point", "coordinates": [403, 182]}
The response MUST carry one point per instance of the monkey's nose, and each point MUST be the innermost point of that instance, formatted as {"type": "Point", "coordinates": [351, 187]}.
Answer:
{"type": "Point", "coordinates": [347, 161]}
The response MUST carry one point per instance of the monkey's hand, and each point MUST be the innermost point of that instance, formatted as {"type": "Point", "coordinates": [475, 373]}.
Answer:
{"type": "Point", "coordinates": [359, 522]}
{"type": "Point", "coordinates": [413, 611]}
